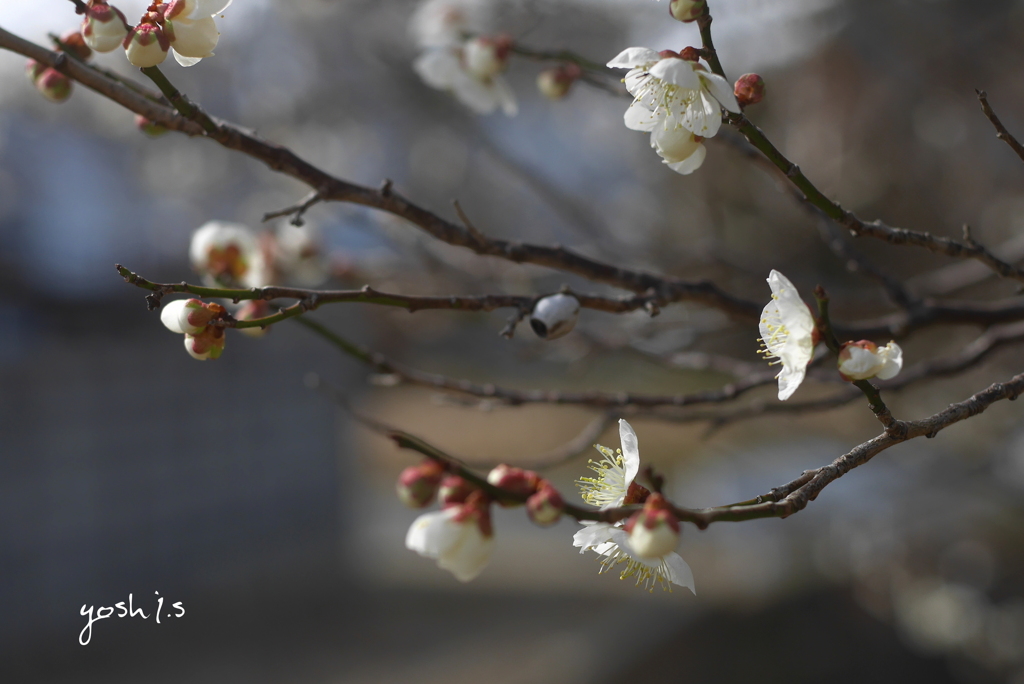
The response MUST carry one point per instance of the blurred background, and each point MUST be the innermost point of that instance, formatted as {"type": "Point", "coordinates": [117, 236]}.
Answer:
{"type": "Point", "coordinates": [230, 486]}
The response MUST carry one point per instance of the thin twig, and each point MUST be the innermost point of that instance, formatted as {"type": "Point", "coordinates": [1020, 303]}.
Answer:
{"type": "Point", "coordinates": [1001, 131]}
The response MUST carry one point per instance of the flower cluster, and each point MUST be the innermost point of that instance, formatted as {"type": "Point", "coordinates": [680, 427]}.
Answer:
{"type": "Point", "coordinates": [644, 547]}
{"type": "Point", "coordinates": [460, 536]}
{"type": "Point", "coordinates": [677, 101]}
{"type": "Point", "coordinates": [789, 335]}
{"type": "Point", "coordinates": [194, 318]}
{"type": "Point", "coordinates": [183, 27]}
{"type": "Point", "coordinates": [456, 60]}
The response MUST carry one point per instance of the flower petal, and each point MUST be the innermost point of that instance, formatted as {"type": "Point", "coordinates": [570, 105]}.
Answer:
{"type": "Point", "coordinates": [591, 535]}
{"type": "Point", "coordinates": [633, 57]}
{"type": "Point", "coordinates": [677, 72]}
{"type": "Point", "coordinates": [630, 450]}
{"type": "Point", "coordinates": [208, 8]}
{"type": "Point", "coordinates": [640, 118]}
{"type": "Point", "coordinates": [691, 163]}
{"type": "Point", "coordinates": [703, 116]}
{"type": "Point", "coordinates": [790, 378]}
{"type": "Point", "coordinates": [185, 61]}
{"type": "Point", "coordinates": [433, 534]}
{"type": "Point", "coordinates": [720, 89]}
{"type": "Point", "coordinates": [679, 571]}
{"type": "Point", "coordinates": [892, 361]}
{"type": "Point", "coordinates": [469, 555]}
{"type": "Point", "coordinates": [170, 314]}
{"type": "Point", "coordinates": [194, 38]}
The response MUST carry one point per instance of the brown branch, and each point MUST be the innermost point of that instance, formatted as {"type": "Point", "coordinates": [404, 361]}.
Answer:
{"type": "Point", "coordinates": [971, 355]}
{"type": "Point", "coordinates": [660, 290]}
{"type": "Point", "coordinates": [297, 211]}
{"type": "Point", "coordinates": [780, 502]}
{"type": "Point", "coordinates": [512, 397]}
{"type": "Point", "coordinates": [1001, 131]}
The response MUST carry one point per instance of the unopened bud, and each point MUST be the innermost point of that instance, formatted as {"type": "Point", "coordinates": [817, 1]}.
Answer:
{"type": "Point", "coordinates": [654, 531]}
{"type": "Point", "coordinates": [208, 344]}
{"type": "Point", "coordinates": [104, 27]}
{"type": "Point", "coordinates": [54, 86]}
{"type": "Point", "coordinates": [690, 54]}
{"type": "Point", "coordinates": [251, 310]}
{"type": "Point", "coordinates": [476, 510]}
{"type": "Point", "coordinates": [555, 316]}
{"type": "Point", "coordinates": [150, 128]}
{"type": "Point", "coordinates": [34, 70]}
{"type": "Point", "coordinates": [486, 56]}
{"type": "Point", "coordinates": [554, 83]}
{"type": "Point", "coordinates": [514, 480]}
{"type": "Point", "coordinates": [189, 316]}
{"type": "Point", "coordinates": [417, 485]}
{"type": "Point", "coordinates": [545, 506]}
{"type": "Point", "coordinates": [686, 10]}
{"type": "Point", "coordinates": [749, 89]}
{"type": "Point", "coordinates": [864, 360]}
{"type": "Point", "coordinates": [73, 43]}
{"type": "Point", "coordinates": [454, 490]}
{"type": "Point", "coordinates": [147, 44]}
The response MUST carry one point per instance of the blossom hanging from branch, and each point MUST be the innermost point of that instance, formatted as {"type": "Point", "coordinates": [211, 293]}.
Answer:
{"type": "Point", "coordinates": [615, 544]}
{"type": "Point", "coordinates": [676, 100]}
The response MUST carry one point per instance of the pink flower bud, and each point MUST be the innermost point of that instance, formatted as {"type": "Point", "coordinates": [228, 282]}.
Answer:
{"type": "Point", "coordinates": [554, 83]}
{"type": "Point", "coordinates": [104, 27]}
{"type": "Point", "coordinates": [686, 10]}
{"type": "Point", "coordinates": [147, 44]}
{"type": "Point", "coordinates": [150, 128]}
{"type": "Point", "coordinates": [54, 86]}
{"type": "Point", "coordinates": [417, 485]}
{"type": "Point", "coordinates": [690, 54]}
{"type": "Point", "coordinates": [515, 481]}
{"type": "Point", "coordinates": [74, 43]}
{"type": "Point", "coordinates": [34, 70]}
{"type": "Point", "coordinates": [749, 89]}
{"type": "Point", "coordinates": [486, 56]}
{"type": "Point", "coordinates": [208, 344]}
{"type": "Point", "coordinates": [195, 315]}
{"type": "Point", "coordinates": [477, 511]}
{"type": "Point", "coordinates": [454, 490]}
{"type": "Point", "coordinates": [654, 531]}
{"type": "Point", "coordinates": [546, 505]}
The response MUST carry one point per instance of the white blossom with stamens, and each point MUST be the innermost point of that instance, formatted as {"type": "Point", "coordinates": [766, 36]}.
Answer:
{"type": "Point", "coordinates": [788, 333]}
{"type": "Point", "coordinates": [616, 472]}
{"type": "Point", "coordinates": [672, 92]}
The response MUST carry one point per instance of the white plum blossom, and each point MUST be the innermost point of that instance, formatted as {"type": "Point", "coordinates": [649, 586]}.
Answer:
{"type": "Point", "coordinates": [439, 23]}
{"type": "Point", "coordinates": [616, 471]}
{"type": "Point", "coordinates": [865, 360]}
{"type": "Point", "coordinates": [676, 100]}
{"type": "Point", "coordinates": [228, 254]}
{"type": "Point", "coordinates": [458, 537]}
{"type": "Point", "coordinates": [788, 333]}
{"type": "Point", "coordinates": [471, 73]}
{"type": "Point", "coordinates": [193, 33]}
{"type": "Point", "coordinates": [103, 27]}
{"type": "Point", "coordinates": [614, 487]}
